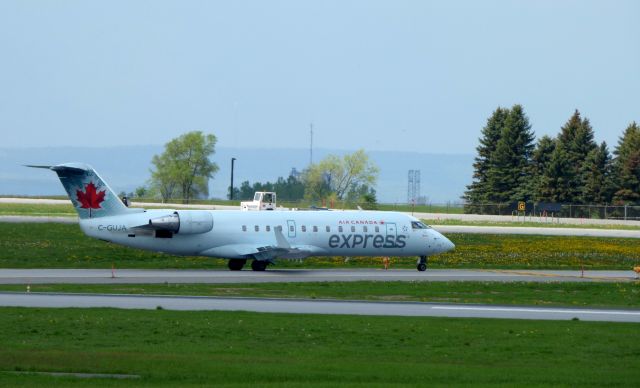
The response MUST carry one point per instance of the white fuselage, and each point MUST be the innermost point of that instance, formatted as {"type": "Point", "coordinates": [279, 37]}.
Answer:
{"type": "Point", "coordinates": [237, 234]}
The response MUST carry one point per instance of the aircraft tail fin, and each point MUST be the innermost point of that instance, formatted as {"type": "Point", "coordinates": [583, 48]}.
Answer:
{"type": "Point", "coordinates": [89, 193]}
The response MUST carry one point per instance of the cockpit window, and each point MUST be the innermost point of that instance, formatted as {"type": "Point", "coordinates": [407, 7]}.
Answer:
{"type": "Point", "coordinates": [418, 225]}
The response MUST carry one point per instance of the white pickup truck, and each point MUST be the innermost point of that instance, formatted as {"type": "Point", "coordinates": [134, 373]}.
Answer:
{"type": "Point", "coordinates": [262, 200]}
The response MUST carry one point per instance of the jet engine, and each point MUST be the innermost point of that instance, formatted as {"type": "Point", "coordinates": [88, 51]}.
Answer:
{"type": "Point", "coordinates": [184, 222]}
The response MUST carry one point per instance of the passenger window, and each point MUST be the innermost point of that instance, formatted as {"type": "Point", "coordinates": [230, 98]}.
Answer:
{"type": "Point", "coordinates": [328, 229]}
{"type": "Point", "coordinates": [340, 229]}
{"type": "Point", "coordinates": [244, 228]}
{"type": "Point", "coordinates": [268, 228]}
{"type": "Point", "coordinates": [304, 228]}
{"type": "Point", "coordinates": [257, 228]}
{"type": "Point", "coordinates": [315, 228]}
{"type": "Point", "coordinates": [364, 229]}
{"type": "Point", "coordinates": [377, 229]}
{"type": "Point", "coordinates": [353, 229]}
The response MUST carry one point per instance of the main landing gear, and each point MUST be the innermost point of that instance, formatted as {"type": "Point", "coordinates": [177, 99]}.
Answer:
{"type": "Point", "coordinates": [422, 263]}
{"type": "Point", "coordinates": [256, 265]}
{"type": "Point", "coordinates": [236, 264]}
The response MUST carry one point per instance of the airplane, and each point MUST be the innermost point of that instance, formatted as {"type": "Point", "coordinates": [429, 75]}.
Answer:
{"type": "Point", "coordinates": [239, 236]}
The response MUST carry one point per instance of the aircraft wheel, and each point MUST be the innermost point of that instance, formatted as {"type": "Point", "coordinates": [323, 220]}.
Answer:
{"type": "Point", "coordinates": [422, 264]}
{"type": "Point", "coordinates": [236, 264]}
{"type": "Point", "coordinates": [258, 265]}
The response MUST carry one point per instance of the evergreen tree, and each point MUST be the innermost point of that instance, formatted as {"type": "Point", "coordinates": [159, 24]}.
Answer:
{"type": "Point", "coordinates": [510, 165]}
{"type": "Point", "coordinates": [597, 188]}
{"type": "Point", "coordinates": [576, 140]}
{"type": "Point", "coordinates": [627, 166]}
{"type": "Point", "coordinates": [555, 178]}
{"type": "Point", "coordinates": [477, 190]}
{"type": "Point", "coordinates": [540, 160]}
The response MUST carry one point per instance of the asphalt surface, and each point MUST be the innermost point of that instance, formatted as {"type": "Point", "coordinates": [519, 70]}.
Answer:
{"type": "Point", "coordinates": [314, 307]}
{"type": "Point", "coordinates": [141, 276]}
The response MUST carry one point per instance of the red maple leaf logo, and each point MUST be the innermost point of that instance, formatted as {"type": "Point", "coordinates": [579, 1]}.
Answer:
{"type": "Point", "coordinates": [90, 199]}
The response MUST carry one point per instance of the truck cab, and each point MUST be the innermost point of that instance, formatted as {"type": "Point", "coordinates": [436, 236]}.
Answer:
{"type": "Point", "coordinates": [262, 200]}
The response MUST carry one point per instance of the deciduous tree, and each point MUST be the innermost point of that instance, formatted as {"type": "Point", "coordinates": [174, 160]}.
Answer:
{"type": "Point", "coordinates": [340, 178]}
{"type": "Point", "coordinates": [184, 169]}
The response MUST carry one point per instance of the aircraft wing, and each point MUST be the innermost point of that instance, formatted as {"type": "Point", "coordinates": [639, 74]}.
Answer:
{"type": "Point", "coordinates": [283, 249]}
{"type": "Point", "coordinates": [260, 252]}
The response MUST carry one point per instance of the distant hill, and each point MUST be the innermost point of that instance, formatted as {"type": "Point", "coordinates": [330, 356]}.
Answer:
{"type": "Point", "coordinates": [444, 177]}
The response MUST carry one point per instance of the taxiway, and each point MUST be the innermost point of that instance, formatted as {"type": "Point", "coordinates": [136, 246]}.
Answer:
{"type": "Point", "coordinates": [304, 306]}
{"type": "Point", "coordinates": [144, 276]}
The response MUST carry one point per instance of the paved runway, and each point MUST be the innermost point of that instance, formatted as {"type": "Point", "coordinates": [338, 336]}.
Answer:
{"type": "Point", "coordinates": [129, 276]}
{"type": "Point", "coordinates": [315, 307]}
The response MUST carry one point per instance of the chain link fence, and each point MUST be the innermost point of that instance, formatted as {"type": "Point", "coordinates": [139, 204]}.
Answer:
{"type": "Point", "coordinates": [556, 210]}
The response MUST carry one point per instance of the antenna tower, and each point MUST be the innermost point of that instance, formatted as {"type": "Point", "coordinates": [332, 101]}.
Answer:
{"type": "Point", "coordinates": [413, 186]}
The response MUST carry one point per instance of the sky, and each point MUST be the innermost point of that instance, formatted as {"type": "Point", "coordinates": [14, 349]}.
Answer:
{"type": "Point", "coordinates": [419, 76]}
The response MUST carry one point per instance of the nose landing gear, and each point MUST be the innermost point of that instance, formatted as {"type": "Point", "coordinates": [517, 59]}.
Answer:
{"type": "Point", "coordinates": [422, 264]}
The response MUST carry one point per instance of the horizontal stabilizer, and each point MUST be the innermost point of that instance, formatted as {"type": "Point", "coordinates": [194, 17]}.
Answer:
{"type": "Point", "coordinates": [33, 166]}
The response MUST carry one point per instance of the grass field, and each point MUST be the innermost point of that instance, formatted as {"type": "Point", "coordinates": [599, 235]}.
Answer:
{"type": "Point", "coordinates": [574, 294]}
{"type": "Point", "coordinates": [36, 209]}
{"type": "Point", "coordinates": [64, 246]}
{"type": "Point", "coordinates": [252, 349]}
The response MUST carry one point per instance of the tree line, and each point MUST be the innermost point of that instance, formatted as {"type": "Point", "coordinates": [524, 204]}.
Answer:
{"type": "Point", "coordinates": [349, 178]}
{"type": "Point", "coordinates": [184, 169]}
{"type": "Point", "coordinates": [290, 189]}
{"type": "Point", "coordinates": [570, 168]}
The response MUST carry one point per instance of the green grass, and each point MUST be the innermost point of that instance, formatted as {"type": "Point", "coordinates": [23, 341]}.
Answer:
{"type": "Point", "coordinates": [625, 294]}
{"type": "Point", "coordinates": [51, 245]}
{"type": "Point", "coordinates": [175, 348]}
{"type": "Point", "coordinates": [64, 246]}
{"type": "Point", "coordinates": [36, 209]}
{"type": "Point", "coordinates": [540, 252]}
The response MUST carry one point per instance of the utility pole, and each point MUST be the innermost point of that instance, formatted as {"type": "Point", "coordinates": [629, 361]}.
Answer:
{"type": "Point", "coordinates": [231, 191]}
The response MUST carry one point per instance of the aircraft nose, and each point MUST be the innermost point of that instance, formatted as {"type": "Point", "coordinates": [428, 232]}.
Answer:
{"type": "Point", "coordinates": [448, 245]}
{"type": "Point", "coordinates": [442, 243]}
